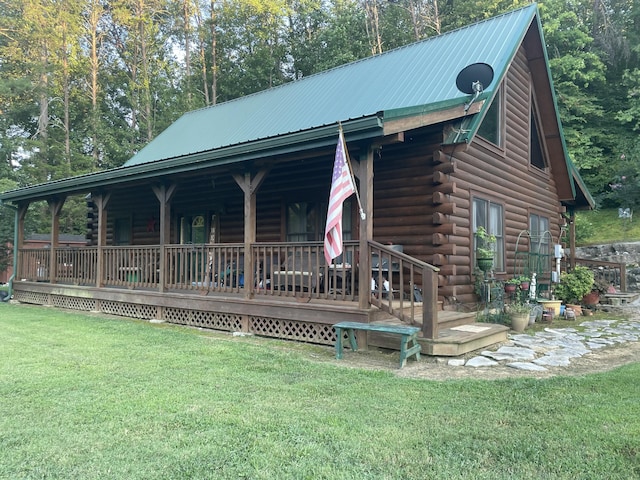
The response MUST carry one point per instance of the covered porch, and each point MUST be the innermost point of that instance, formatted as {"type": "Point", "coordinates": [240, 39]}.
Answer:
{"type": "Point", "coordinates": [289, 291]}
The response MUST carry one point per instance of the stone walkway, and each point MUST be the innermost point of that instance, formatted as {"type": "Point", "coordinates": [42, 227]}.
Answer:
{"type": "Point", "coordinates": [556, 347]}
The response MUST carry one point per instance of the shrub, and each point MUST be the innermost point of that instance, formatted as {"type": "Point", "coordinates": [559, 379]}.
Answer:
{"type": "Point", "coordinates": [574, 285]}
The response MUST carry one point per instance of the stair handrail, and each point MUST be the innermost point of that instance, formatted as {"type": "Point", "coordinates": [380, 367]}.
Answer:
{"type": "Point", "coordinates": [407, 269]}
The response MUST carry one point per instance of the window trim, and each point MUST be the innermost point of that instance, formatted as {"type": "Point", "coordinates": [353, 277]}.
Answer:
{"type": "Point", "coordinates": [499, 263]}
{"type": "Point", "coordinates": [535, 118]}
{"type": "Point", "coordinates": [500, 146]}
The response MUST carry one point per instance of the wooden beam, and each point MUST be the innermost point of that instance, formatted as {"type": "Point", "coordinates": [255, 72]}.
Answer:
{"type": "Point", "coordinates": [164, 194]}
{"type": "Point", "coordinates": [250, 184]}
{"type": "Point", "coordinates": [365, 170]}
{"type": "Point", "coordinates": [55, 206]}
{"type": "Point", "coordinates": [101, 201]}
{"type": "Point", "coordinates": [431, 118]}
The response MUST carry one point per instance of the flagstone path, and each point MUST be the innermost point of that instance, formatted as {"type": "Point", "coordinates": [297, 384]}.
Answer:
{"type": "Point", "coordinates": [590, 346]}
{"type": "Point", "coordinates": [556, 347]}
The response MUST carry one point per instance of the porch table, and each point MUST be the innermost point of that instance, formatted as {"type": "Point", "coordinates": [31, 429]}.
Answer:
{"type": "Point", "coordinates": [340, 273]}
{"type": "Point", "coordinates": [283, 279]}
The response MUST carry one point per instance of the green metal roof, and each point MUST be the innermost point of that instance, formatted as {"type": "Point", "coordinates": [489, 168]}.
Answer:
{"type": "Point", "coordinates": [420, 74]}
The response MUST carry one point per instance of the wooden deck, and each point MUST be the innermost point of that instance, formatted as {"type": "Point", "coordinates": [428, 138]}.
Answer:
{"type": "Point", "coordinates": [299, 319]}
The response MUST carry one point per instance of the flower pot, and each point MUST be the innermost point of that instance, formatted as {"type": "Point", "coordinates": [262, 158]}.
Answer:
{"type": "Point", "coordinates": [553, 305]}
{"type": "Point", "coordinates": [509, 288]}
{"type": "Point", "coordinates": [524, 286]}
{"type": "Point", "coordinates": [519, 321]}
{"type": "Point", "coordinates": [577, 309]}
{"type": "Point", "coordinates": [592, 298]}
{"type": "Point", "coordinates": [485, 264]}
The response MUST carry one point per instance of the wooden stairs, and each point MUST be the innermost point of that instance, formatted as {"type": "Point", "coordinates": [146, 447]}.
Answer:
{"type": "Point", "coordinates": [459, 333]}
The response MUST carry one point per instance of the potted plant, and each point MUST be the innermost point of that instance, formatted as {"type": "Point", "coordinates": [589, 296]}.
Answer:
{"type": "Point", "coordinates": [574, 285]}
{"type": "Point", "coordinates": [524, 282]}
{"type": "Point", "coordinates": [511, 285]}
{"type": "Point", "coordinates": [485, 249]}
{"type": "Point", "coordinates": [519, 314]}
{"type": "Point", "coordinates": [599, 287]}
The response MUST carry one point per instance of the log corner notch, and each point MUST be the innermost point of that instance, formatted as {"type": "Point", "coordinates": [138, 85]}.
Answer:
{"type": "Point", "coordinates": [443, 209]}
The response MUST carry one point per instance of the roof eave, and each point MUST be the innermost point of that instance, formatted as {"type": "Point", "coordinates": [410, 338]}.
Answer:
{"type": "Point", "coordinates": [405, 119]}
{"type": "Point", "coordinates": [354, 130]}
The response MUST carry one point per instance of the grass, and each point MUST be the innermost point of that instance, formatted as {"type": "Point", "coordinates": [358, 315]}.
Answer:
{"type": "Point", "coordinates": [604, 226]}
{"type": "Point", "coordinates": [86, 396]}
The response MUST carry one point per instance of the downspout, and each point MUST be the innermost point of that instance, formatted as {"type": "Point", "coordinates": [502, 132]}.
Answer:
{"type": "Point", "coordinates": [15, 251]}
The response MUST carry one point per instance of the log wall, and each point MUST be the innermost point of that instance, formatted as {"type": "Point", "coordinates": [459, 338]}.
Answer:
{"type": "Point", "coordinates": [422, 195]}
{"type": "Point", "coordinates": [501, 175]}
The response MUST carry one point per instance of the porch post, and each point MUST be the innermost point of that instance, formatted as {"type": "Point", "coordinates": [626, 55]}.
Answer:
{"type": "Point", "coordinates": [164, 194]}
{"type": "Point", "coordinates": [572, 239]}
{"type": "Point", "coordinates": [55, 205]}
{"type": "Point", "coordinates": [100, 200]}
{"type": "Point", "coordinates": [19, 237]}
{"type": "Point", "coordinates": [364, 171]}
{"type": "Point", "coordinates": [250, 188]}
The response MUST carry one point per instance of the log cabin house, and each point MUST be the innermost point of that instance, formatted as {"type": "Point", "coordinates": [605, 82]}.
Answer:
{"type": "Point", "coordinates": [219, 221]}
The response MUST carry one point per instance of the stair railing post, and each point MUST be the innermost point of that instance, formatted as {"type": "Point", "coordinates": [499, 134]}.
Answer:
{"type": "Point", "coordinates": [430, 303]}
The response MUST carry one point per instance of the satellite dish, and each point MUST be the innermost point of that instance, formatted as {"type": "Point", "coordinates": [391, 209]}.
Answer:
{"type": "Point", "coordinates": [473, 78]}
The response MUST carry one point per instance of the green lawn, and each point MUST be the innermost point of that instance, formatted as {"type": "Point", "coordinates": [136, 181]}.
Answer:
{"type": "Point", "coordinates": [84, 396]}
{"type": "Point", "coordinates": [604, 226]}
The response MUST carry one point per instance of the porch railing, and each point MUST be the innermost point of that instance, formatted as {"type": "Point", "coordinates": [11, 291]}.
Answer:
{"type": "Point", "coordinates": [610, 273]}
{"type": "Point", "coordinates": [76, 265]}
{"type": "Point", "coordinates": [405, 287]}
{"type": "Point", "coordinates": [215, 268]}
{"type": "Point", "coordinates": [300, 270]}
{"type": "Point", "coordinates": [401, 285]}
{"type": "Point", "coordinates": [131, 266]}
{"type": "Point", "coordinates": [33, 264]}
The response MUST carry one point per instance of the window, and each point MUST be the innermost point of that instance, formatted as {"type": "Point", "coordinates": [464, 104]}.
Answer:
{"type": "Point", "coordinates": [491, 127]}
{"type": "Point", "coordinates": [540, 236]}
{"type": "Point", "coordinates": [488, 214]}
{"type": "Point", "coordinates": [536, 157]}
{"type": "Point", "coordinates": [302, 222]}
{"type": "Point", "coordinates": [306, 221]}
{"type": "Point", "coordinates": [122, 231]}
{"type": "Point", "coordinates": [192, 229]}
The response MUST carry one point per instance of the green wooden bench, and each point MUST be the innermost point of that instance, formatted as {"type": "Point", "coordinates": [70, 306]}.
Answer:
{"type": "Point", "coordinates": [409, 334]}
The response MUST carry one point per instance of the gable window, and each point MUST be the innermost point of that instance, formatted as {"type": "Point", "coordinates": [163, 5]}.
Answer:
{"type": "Point", "coordinates": [489, 215]}
{"type": "Point", "coordinates": [491, 127]}
{"type": "Point", "coordinates": [536, 157]}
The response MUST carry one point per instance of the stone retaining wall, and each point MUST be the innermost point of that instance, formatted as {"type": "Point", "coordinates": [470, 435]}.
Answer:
{"type": "Point", "coordinates": [624, 252]}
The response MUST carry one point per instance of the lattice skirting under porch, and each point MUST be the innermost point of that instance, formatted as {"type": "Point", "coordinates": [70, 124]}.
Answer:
{"type": "Point", "coordinates": [204, 319]}
{"type": "Point", "coordinates": [264, 326]}
{"type": "Point", "coordinates": [293, 330]}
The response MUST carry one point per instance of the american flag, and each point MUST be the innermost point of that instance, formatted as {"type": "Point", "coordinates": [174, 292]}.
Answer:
{"type": "Point", "coordinates": [341, 188]}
